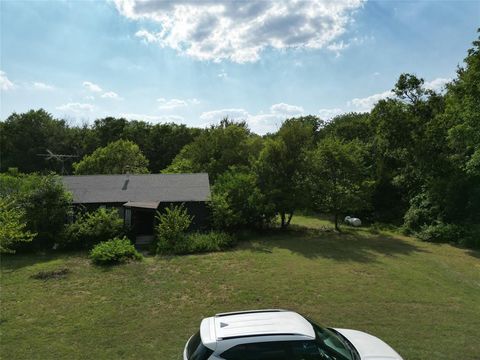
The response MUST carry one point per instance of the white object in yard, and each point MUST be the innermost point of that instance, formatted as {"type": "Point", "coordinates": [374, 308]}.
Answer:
{"type": "Point", "coordinates": [353, 221]}
{"type": "Point", "coordinates": [258, 334]}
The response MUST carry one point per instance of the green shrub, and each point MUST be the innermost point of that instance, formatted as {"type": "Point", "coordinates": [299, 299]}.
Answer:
{"type": "Point", "coordinates": [170, 232]}
{"type": "Point", "coordinates": [472, 237]}
{"type": "Point", "coordinates": [420, 213]}
{"type": "Point", "coordinates": [13, 226]}
{"type": "Point", "coordinates": [115, 251]}
{"type": "Point", "coordinates": [441, 232]}
{"type": "Point", "coordinates": [208, 242]}
{"type": "Point", "coordinates": [45, 203]}
{"type": "Point", "coordinates": [237, 202]}
{"type": "Point", "coordinates": [92, 228]}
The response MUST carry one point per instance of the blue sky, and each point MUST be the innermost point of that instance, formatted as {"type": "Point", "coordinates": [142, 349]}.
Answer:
{"type": "Point", "coordinates": [195, 62]}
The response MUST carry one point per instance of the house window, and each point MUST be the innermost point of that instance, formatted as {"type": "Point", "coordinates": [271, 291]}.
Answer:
{"type": "Point", "coordinates": [128, 216]}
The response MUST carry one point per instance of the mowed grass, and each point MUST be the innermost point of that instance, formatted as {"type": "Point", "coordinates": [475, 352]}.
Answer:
{"type": "Point", "coordinates": [423, 299]}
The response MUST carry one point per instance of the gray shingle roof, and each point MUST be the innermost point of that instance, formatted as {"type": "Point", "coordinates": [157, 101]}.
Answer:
{"type": "Point", "coordinates": [138, 188]}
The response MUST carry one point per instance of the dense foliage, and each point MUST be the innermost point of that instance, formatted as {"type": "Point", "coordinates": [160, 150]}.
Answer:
{"type": "Point", "coordinates": [114, 251]}
{"type": "Point", "coordinates": [237, 202]}
{"type": "Point", "coordinates": [119, 157]}
{"type": "Point", "coordinates": [338, 177]}
{"type": "Point", "coordinates": [44, 202]}
{"type": "Point", "coordinates": [91, 228]}
{"type": "Point", "coordinates": [13, 226]}
{"type": "Point", "coordinates": [171, 230]}
{"type": "Point", "coordinates": [413, 160]}
{"type": "Point", "coordinates": [216, 149]}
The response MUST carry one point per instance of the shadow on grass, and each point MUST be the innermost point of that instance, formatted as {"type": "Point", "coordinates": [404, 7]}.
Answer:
{"type": "Point", "coordinates": [12, 262]}
{"type": "Point", "coordinates": [344, 246]}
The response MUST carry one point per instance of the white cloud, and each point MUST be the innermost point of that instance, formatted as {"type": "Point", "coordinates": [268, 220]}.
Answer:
{"type": "Point", "coordinates": [146, 36]}
{"type": "Point", "coordinates": [437, 84]}
{"type": "Point", "coordinates": [111, 95]}
{"type": "Point", "coordinates": [76, 107]}
{"type": "Point", "coordinates": [338, 47]}
{"type": "Point", "coordinates": [92, 87]}
{"type": "Point", "coordinates": [223, 75]}
{"type": "Point", "coordinates": [5, 83]}
{"type": "Point", "coordinates": [286, 109]}
{"type": "Point", "coordinates": [327, 114]}
{"type": "Point", "coordinates": [260, 123]}
{"type": "Point", "coordinates": [367, 103]}
{"type": "Point", "coordinates": [43, 86]}
{"type": "Point", "coordinates": [166, 104]}
{"type": "Point", "coordinates": [217, 115]}
{"type": "Point", "coordinates": [240, 31]}
{"type": "Point", "coordinates": [153, 118]}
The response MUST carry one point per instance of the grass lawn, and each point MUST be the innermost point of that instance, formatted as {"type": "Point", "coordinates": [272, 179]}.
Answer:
{"type": "Point", "coordinates": [423, 299]}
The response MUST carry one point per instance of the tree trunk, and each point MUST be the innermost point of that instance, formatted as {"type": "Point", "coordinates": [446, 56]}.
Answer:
{"type": "Point", "coordinates": [289, 218]}
{"type": "Point", "coordinates": [282, 216]}
{"type": "Point", "coordinates": [336, 223]}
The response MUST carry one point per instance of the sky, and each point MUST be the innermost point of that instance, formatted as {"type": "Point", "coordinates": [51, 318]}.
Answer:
{"type": "Point", "coordinates": [195, 62]}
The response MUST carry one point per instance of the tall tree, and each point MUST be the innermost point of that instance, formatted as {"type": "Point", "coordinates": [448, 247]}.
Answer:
{"type": "Point", "coordinates": [216, 149]}
{"type": "Point", "coordinates": [118, 157]}
{"type": "Point", "coordinates": [338, 178]}
{"type": "Point", "coordinates": [24, 136]}
{"type": "Point", "coordinates": [281, 163]}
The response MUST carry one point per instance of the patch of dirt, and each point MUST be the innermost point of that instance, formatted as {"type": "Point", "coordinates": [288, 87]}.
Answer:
{"type": "Point", "coordinates": [54, 274]}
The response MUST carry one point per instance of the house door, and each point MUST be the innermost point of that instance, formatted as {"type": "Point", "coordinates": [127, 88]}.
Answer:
{"type": "Point", "coordinates": [143, 222]}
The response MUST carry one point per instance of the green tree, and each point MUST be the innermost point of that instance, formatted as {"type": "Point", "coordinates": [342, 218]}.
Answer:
{"type": "Point", "coordinates": [24, 136]}
{"type": "Point", "coordinates": [13, 227]}
{"type": "Point", "coordinates": [45, 202]}
{"type": "Point", "coordinates": [338, 178]}
{"type": "Point", "coordinates": [237, 202]}
{"type": "Point", "coordinates": [117, 157]}
{"type": "Point", "coordinates": [281, 164]}
{"type": "Point", "coordinates": [216, 149]}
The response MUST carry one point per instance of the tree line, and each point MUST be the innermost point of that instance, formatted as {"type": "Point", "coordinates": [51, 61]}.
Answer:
{"type": "Point", "coordinates": [413, 160]}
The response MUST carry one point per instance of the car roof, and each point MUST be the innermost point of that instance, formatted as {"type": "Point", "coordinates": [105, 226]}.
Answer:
{"type": "Point", "coordinates": [261, 323]}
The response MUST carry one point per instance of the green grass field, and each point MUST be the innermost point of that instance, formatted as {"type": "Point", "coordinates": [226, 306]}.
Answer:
{"type": "Point", "coordinates": [423, 299]}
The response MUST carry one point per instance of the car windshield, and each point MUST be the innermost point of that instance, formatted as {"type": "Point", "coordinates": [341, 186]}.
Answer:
{"type": "Point", "coordinates": [196, 350]}
{"type": "Point", "coordinates": [333, 345]}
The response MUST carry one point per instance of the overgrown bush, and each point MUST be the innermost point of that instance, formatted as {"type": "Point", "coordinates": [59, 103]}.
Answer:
{"type": "Point", "coordinates": [420, 213]}
{"type": "Point", "coordinates": [238, 203]}
{"type": "Point", "coordinates": [92, 228]}
{"type": "Point", "coordinates": [441, 232]}
{"type": "Point", "coordinates": [44, 201]}
{"type": "Point", "coordinates": [12, 226]}
{"type": "Point", "coordinates": [114, 251]}
{"type": "Point", "coordinates": [170, 232]}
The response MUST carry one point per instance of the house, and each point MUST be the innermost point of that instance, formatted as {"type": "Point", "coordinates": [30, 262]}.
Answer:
{"type": "Point", "coordinates": [138, 197]}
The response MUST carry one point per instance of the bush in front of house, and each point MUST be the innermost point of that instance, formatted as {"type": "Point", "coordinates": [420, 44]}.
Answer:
{"type": "Point", "coordinates": [92, 228]}
{"type": "Point", "coordinates": [114, 251]}
{"type": "Point", "coordinates": [171, 229]}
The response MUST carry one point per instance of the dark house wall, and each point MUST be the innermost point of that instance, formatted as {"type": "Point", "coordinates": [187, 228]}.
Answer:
{"type": "Point", "coordinates": [198, 209]}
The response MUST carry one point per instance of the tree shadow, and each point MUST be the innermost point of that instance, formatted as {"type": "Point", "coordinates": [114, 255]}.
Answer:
{"type": "Point", "coordinates": [345, 246]}
{"type": "Point", "coordinates": [474, 253]}
{"type": "Point", "coordinates": [12, 262]}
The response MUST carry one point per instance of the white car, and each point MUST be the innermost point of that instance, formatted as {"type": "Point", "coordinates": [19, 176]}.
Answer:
{"type": "Point", "coordinates": [280, 335]}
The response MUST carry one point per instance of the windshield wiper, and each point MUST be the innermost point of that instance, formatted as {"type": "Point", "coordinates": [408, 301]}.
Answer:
{"type": "Point", "coordinates": [353, 351]}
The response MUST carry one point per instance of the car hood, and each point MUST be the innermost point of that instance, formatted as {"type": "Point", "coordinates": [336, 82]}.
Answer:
{"type": "Point", "coordinates": [368, 346]}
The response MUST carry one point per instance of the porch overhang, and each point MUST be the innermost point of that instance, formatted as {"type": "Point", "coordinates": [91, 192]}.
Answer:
{"type": "Point", "coordinates": [142, 204]}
